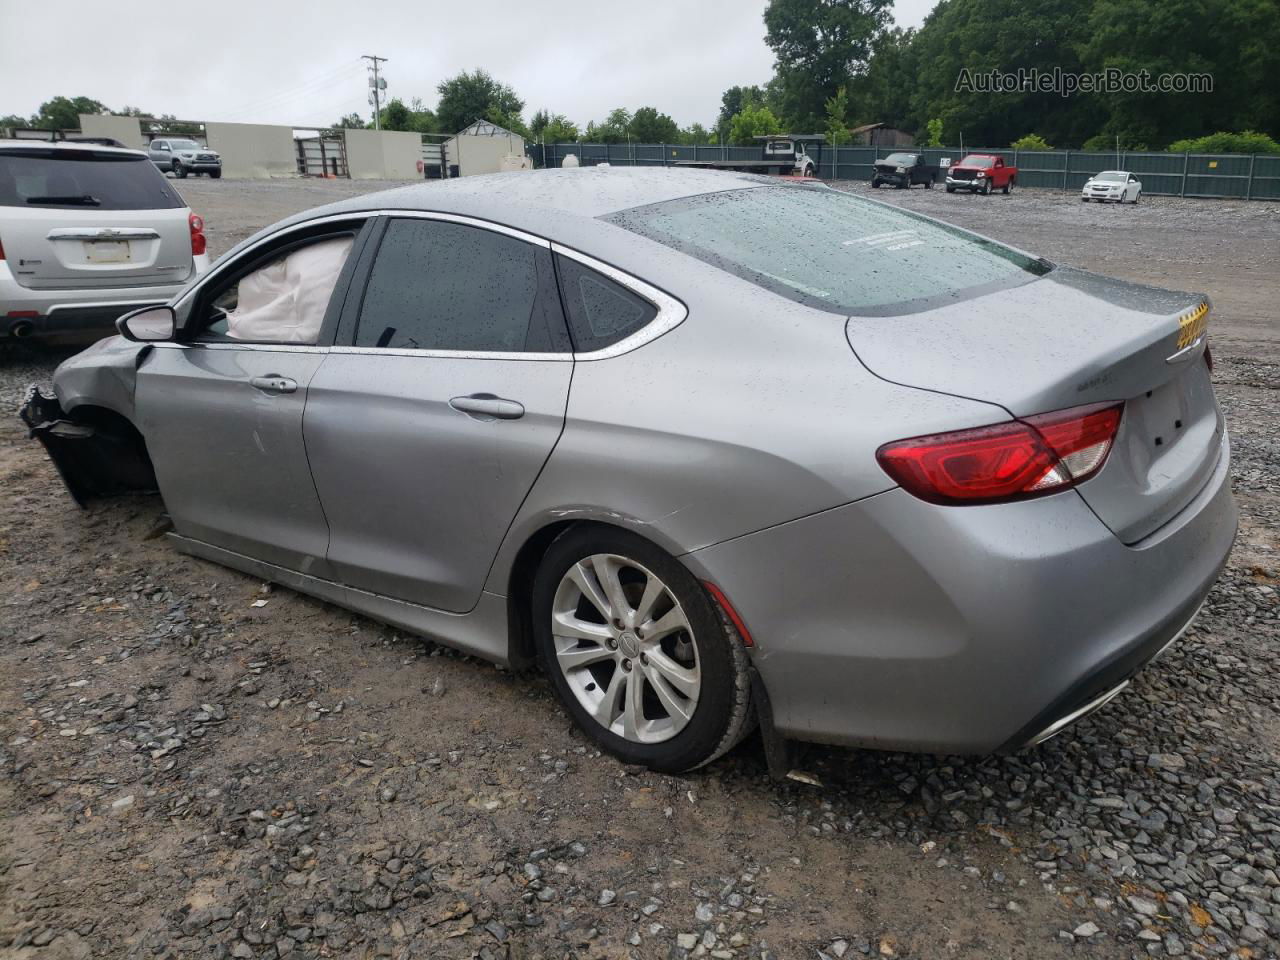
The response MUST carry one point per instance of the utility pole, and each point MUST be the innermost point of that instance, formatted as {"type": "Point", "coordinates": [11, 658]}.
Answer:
{"type": "Point", "coordinates": [377, 85]}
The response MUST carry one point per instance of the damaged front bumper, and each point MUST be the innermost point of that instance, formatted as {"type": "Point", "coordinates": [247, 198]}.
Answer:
{"type": "Point", "coordinates": [96, 455]}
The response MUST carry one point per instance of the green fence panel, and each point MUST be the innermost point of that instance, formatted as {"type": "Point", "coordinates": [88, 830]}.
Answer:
{"type": "Point", "coordinates": [1160, 173]}
{"type": "Point", "coordinates": [1171, 174]}
{"type": "Point", "coordinates": [680, 153]}
{"type": "Point", "coordinates": [1041, 168]}
{"type": "Point", "coordinates": [1266, 178]}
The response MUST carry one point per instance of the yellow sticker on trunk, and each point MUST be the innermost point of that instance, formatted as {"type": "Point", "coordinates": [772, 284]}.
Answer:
{"type": "Point", "coordinates": [1192, 325]}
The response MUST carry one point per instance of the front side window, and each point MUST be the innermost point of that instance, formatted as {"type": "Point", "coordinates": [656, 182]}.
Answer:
{"type": "Point", "coordinates": [35, 177]}
{"type": "Point", "coordinates": [438, 285]}
{"type": "Point", "coordinates": [282, 300]}
{"type": "Point", "coordinates": [160, 145]}
{"type": "Point", "coordinates": [858, 256]}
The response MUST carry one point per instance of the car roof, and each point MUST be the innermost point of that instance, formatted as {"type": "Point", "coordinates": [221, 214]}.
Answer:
{"type": "Point", "coordinates": [562, 205]}
{"type": "Point", "coordinates": [25, 144]}
{"type": "Point", "coordinates": [578, 191]}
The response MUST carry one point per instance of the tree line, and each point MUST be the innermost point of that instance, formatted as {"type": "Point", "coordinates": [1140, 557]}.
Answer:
{"type": "Point", "coordinates": [63, 113]}
{"type": "Point", "coordinates": [839, 64]}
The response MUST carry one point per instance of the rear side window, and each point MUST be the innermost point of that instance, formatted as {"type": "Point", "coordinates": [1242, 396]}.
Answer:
{"type": "Point", "coordinates": [853, 256]}
{"type": "Point", "coordinates": [437, 285]}
{"type": "Point", "coordinates": [88, 179]}
{"type": "Point", "coordinates": [600, 311]}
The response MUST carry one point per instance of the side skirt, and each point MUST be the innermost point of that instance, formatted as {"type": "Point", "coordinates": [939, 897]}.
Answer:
{"type": "Point", "coordinates": [481, 632]}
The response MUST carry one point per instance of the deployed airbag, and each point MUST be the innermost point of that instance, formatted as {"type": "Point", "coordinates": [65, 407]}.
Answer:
{"type": "Point", "coordinates": [285, 301]}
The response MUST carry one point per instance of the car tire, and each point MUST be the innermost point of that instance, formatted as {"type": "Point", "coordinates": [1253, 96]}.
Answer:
{"type": "Point", "coordinates": [1137, 196]}
{"type": "Point", "coordinates": [215, 174]}
{"type": "Point", "coordinates": [1008, 186]}
{"type": "Point", "coordinates": [928, 184]}
{"type": "Point", "coordinates": [179, 170]}
{"type": "Point", "coordinates": [986, 188]}
{"type": "Point", "coordinates": [703, 655]}
{"type": "Point", "coordinates": [875, 183]}
{"type": "Point", "coordinates": [951, 189]}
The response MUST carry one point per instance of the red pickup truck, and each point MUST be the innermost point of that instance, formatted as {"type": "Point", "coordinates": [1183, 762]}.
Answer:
{"type": "Point", "coordinates": [981, 173]}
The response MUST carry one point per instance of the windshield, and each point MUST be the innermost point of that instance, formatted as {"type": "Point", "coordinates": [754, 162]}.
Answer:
{"type": "Point", "coordinates": [976, 161]}
{"type": "Point", "coordinates": [1113, 176]}
{"type": "Point", "coordinates": [32, 177]}
{"type": "Point", "coordinates": [184, 145]}
{"type": "Point", "coordinates": [901, 159]}
{"type": "Point", "coordinates": [854, 256]}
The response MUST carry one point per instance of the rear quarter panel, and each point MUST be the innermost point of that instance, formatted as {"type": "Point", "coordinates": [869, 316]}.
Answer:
{"type": "Point", "coordinates": [752, 412]}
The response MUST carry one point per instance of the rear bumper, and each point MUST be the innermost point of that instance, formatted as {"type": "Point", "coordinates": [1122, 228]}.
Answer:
{"type": "Point", "coordinates": [897, 624]}
{"type": "Point", "coordinates": [78, 314]}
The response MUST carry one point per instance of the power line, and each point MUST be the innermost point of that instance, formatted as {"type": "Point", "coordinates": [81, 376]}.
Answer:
{"type": "Point", "coordinates": [283, 98]}
{"type": "Point", "coordinates": [328, 78]}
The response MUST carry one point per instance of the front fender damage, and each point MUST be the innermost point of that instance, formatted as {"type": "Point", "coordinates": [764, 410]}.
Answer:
{"type": "Point", "coordinates": [96, 451]}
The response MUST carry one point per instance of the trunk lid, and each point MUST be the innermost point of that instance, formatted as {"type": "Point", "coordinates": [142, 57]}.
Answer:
{"type": "Point", "coordinates": [1067, 339]}
{"type": "Point", "coordinates": [93, 219]}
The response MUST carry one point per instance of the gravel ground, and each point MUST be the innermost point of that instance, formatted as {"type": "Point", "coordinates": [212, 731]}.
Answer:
{"type": "Point", "coordinates": [197, 765]}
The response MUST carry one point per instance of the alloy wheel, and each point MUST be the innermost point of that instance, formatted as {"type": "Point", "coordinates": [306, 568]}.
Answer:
{"type": "Point", "coordinates": [626, 648]}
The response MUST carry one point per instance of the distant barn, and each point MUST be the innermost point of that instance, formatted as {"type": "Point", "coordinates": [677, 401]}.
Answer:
{"type": "Point", "coordinates": [878, 135]}
{"type": "Point", "coordinates": [482, 148]}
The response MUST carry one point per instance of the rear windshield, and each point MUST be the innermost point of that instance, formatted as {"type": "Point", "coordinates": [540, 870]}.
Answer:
{"type": "Point", "coordinates": [88, 179]}
{"type": "Point", "coordinates": [828, 249]}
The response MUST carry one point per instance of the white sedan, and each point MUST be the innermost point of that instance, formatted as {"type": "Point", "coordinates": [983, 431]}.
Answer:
{"type": "Point", "coordinates": [1119, 186]}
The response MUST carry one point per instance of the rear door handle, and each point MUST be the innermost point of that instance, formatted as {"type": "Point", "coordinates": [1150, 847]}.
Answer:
{"type": "Point", "coordinates": [486, 406]}
{"type": "Point", "coordinates": [275, 384]}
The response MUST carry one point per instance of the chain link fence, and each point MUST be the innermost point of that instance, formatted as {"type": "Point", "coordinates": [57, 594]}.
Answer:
{"type": "Point", "coordinates": [1237, 176]}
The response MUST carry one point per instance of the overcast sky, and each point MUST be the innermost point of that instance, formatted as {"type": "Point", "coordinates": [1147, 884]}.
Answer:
{"type": "Point", "coordinates": [271, 61]}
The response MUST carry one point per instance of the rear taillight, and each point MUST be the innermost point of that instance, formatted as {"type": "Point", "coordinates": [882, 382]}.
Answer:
{"type": "Point", "coordinates": [197, 234]}
{"type": "Point", "coordinates": [1006, 461]}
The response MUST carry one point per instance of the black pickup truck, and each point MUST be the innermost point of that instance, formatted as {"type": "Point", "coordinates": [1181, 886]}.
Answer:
{"type": "Point", "coordinates": [904, 170]}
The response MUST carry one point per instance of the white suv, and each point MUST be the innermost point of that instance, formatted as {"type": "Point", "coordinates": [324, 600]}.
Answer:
{"type": "Point", "coordinates": [88, 233]}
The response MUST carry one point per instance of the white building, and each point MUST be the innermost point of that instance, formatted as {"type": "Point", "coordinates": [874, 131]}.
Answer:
{"type": "Point", "coordinates": [482, 148]}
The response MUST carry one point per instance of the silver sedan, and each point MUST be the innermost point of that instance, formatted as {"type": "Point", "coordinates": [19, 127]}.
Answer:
{"type": "Point", "coordinates": [710, 448]}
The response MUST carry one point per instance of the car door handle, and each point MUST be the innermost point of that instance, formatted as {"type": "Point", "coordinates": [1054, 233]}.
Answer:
{"type": "Point", "coordinates": [275, 384]}
{"type": "Point", "coordinates": [486, 406]}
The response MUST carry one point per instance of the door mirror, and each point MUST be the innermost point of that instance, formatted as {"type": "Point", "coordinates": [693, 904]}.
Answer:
{"type": "Point", "coordinates": [148, 324]}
